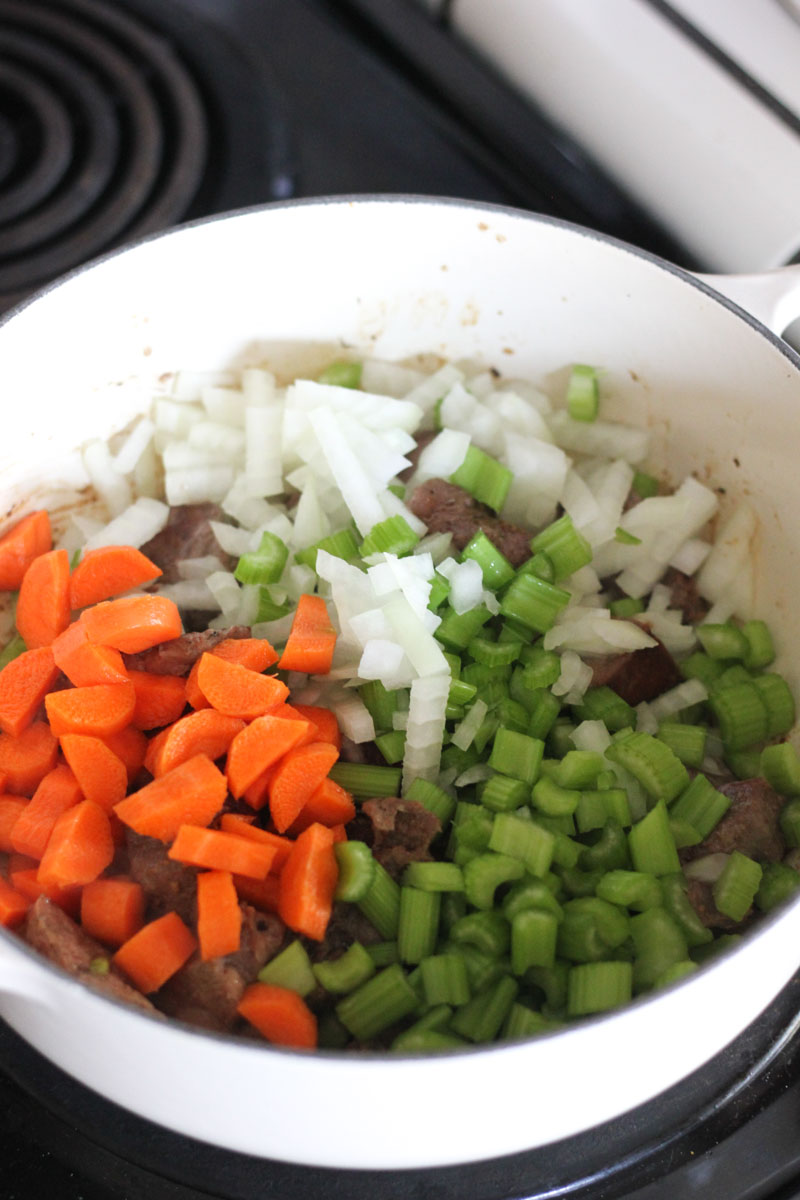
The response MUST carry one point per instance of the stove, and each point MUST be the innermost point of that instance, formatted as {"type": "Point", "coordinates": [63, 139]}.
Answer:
{"type": "Point", "coordinates": [122, 117]}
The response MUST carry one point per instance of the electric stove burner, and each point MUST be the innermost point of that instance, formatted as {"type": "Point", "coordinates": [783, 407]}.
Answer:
{"type": "Point", "coordinates": [109, 132]}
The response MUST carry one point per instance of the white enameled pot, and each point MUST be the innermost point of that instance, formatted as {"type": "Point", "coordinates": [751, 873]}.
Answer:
{"type": "Point", "coordinates": [393, 277]}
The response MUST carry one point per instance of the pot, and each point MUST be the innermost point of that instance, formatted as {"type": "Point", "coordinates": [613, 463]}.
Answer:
{"type": "Point", "coordinates": [393, 277]}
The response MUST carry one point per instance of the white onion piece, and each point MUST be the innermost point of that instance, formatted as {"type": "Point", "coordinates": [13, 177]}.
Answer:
{"type": "Point", "coordinates": [226, 591]}
{"type": "Point", "coordinates": [430, 390]}
{"type": "Point", "coordinates": [400, 720]}
{"type": "Point", "coordinates": [464, 733]}
{"type": "Point", "coordinates": [311, 522]}
{"type": "Point", "coordinates": [224, 404]}
{"type": "Point", "coordinates": [591, 735]}
{"type": "Point", "coordinates": [426, 718]}
{"type": "Point", "coordinates": [372, 412]}
{"type": "Point", "coordinates": [591, 633]}
{"type": "Point", "coordinates": [199, 568]}
{"type": "Point", "coordinates": [176, 419]}
{"type": "Point", "coordinates": [442, 457]}
{"type": "Point", "coordinates": [610, 485]}
{"type": "Point", "coordinates": [707, 869]}
{"type": "Point", "coordinates": [191, 594]}
{"type": "Point", "coordinates": [393, 506]}
{"type": "Point", "coordinates": [194, 485]}
{"type": "Point", "coordinates": [187, 386]}
{"type": "Point", "coordinates": [578, 500]}
{"type": "Point", "coordinates": [389, 379]}
{"type": "Point", "coordinates": [689, 557]}
{"type": "Point", "coordinates": [353, 481]}
{"type": "Point", "coordinates": [140, 522]}
{"type": "Point", "coordinates": [112, 487]}
{"type": "Point", "coordinates": [609, 439]}
{"type": "Point", "coordinates": [646, 721]}
{"type": "Point", "coordinates": [354, 719]}
{"type": "Point", "coordinates": [540, 471]}
{"type": "Point", "coordinates": [517, 413]}
{"type": "Point", "coordinates": [438, 545]}
{"type": "Point", "coordinates": [134, 446]}
{"type": "Point", "coordinates": [222, 440]}
{"type": "Point", "coordinates": [423, 651]}
{"type": "Point", "coordinates": [575, 678]}
{"type": "Point", "coordinates": [263, 466]}
{"type": "Point", "coordinates": [727, 573]}
{"type": "Point", "coordinates": [477, 774]}
{"type": "Point", "coordinates": [684, 695]}
{"type": "Point", "coordinates": [231, 539]}
{"type": "Point", "coordinates": [466, 583]}
{"type": "Point", "coordinates": [387, 662]}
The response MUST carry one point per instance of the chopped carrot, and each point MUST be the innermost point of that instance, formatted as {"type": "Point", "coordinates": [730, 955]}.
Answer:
{"type": "Point", "coordinates": [204, 732]}
{"type": "Point", "coordinates": [234, 823]}
{"type": "Point", "coordinates": [237, 691]}
{"type": "Point", "coordinates": [255, 653]}
{"type": "Point", "coordinates": [258, 746]}
{"type": "Point", "coordinates": [290, 713]}
{"type": "Point", "coordinates": [84, 663]}
{"type": "Point", "coordinates": [132, 623]}
{"type": "Point", "coordinates": [281, 1015]}
{"type": "Point", "coordinates": [57, 792]}
{"type": "Point", "coordinates": [43, 610]}
{"type": "Point", "coordinates": [22, 874]}
{"type": "Point", "coordinates": [24, 683]}
{"type": "Point", "coordinates": [263, 894]}
{"type": "Point", "coordinates": [219, 917]}
{"type": "Point", "coordinates": [11, 809]}
{"type": "Point", "coordinates": [308, 881]}
{"type": "Point", "coordinates": [101, 774]}
{"type": "Point", "coordinates": [257, 795]}
{"type": "Point", "coordinates": [297, 777]}
{"type": "Point", "coordinates": [118, 830]}
{"type": "Point", "coordinates": [25, 760]}
{"type": "Point", "coordinates": [339, 833]}
{"type": "Point", "coordinates": [112, 909]}
{"type": "Point", "coordinates": [156, 952]}
{"type": "Point", "coordinates": [20, 545]}
{"type": "Point", "coordinates": [109, 571]}
{"type": "Point", "coordinates": [192, 793]}
{"type": "Point", "coordinates": [13, 905]}
{"type": "Point", "coordinates": [131, 746]}
{"type": "Point", "coordinates": [329, 804]}
{"type": "Point", "coordinates": [312, 639]}
{"type": "Point", "coordinates": [325, 721]}
{"type": "Point", "coordinates": [98, 711]}
{"type": "Point", "coordinates": [80, 847]}
{"type": "Point", "coordinates": [160, 699]}
{"type": "Point", "coordinates": [221, 851]}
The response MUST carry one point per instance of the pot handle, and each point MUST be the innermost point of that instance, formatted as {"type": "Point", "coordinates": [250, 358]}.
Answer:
{"type": "Point", "coordinates": [772, 297]}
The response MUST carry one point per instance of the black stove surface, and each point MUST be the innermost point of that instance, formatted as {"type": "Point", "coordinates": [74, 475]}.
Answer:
{"type": "Point", "coordinates": [119, 117]}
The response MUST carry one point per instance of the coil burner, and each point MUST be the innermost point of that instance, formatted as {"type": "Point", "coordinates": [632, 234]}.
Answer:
{"type": "Point", "coordinates": [108, 133]}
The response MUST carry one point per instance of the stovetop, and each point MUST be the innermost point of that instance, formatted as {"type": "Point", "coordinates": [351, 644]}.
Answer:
{"type": "Point", "coordinates": [121, 117]}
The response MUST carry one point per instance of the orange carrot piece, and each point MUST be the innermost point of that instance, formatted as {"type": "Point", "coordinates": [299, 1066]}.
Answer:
{"type": "Point", "coordinates": [219, 917]}
{"type": "Point", "coordinates": [308, 881]}
{"type": "Point", "coordinates": [281, 1015]}
{"type": "Point", "coordinates": [297, 777]}
{"type": "Point", "coordinates": [255, 653]}
{"type": "Point", "coordinates": [263, 894]}
{"type": "Point", "coordinates": [339, 833]}
{"type": "Point", "coordinates": [325, 721]}
{"type": "Point", "coordinates": [204, 732]}
{"type": "Point", "coordinates": [257, 795]}
{"type": "Point", "coordinates": [20, 545]}
{"type": "Point", "coordinates": [156, 952]}
{"type": "Point", "coordinates": [22, 875]}
{"type": "Point", "coordinates": [112, 909]}
{"type": "Point", "coordinates": [13, 905]}
{"type": "Point", "coordinates": [84, 663]}
{"type": "Point", "coordinates": [24, 683]}
{"type": "Point", "coordinates": [221, 851]}
{"type": "Point", "coordinates": [58, 791]}
{"type": "Point", "coordinates": [11, 809]}
{"type": "Point", "coordinates": [192, 793]}
{"type": "Point", "coordinates": [258, 746]}
{"type": "Point", "coordinates": [329, 804]}
{"type": "Point", "coordinates": [101, 774]}
{"type": "Point", "coordinates": [109, 571]}
{"type": "Point", "coordinates": [131, 746]}
{"type": "Point", "coordinates": [80, 847]}
{"type": "Point", "coordinates": [237, 691]}
{"type": "Point", "coordinates": [43, 610]}
{"type": "Point", "coordinates": [25, 760]}
{"type": "Point", "coordinates": [97, 711]}
{"type": "Point", "coordinates": [234, 823]}
{"type": "Point", "coordinates": [312, 638]}
{"type": "Point", "coordinates": [132, 623]}
{"type": "Point", "coordinates": [160, 699]}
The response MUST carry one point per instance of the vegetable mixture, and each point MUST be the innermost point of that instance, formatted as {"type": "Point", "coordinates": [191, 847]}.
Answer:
{"type": "Point", "coordinates": [397, 708]}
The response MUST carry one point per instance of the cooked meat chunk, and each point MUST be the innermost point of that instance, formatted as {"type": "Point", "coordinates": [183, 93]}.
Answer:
{"type": "Point", "coordinates": [178, 656]}
{"type": "Point", "coordinates": [638, 676]}
{"type": "Point", "coordinates": [750, 825]}
{"type": "Point", "coordinates": [207, 993]}
{"type": "Point", "coordinates": [169, 886]}
{"type": "Point", "coordinates": [403, 832]}
{"type": "Point", "coordinates": [446, 508]}
{"type": "Point", "coordinates": [685, 596]}
{"type": "Point", "coordinates": [347, 925]}
{"type": "Point", "coordinates": [49, 930]}
{"type": "Point", "coordinates": [187, 534]}
{"type": "Point", "coordinates": [701, 898]}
